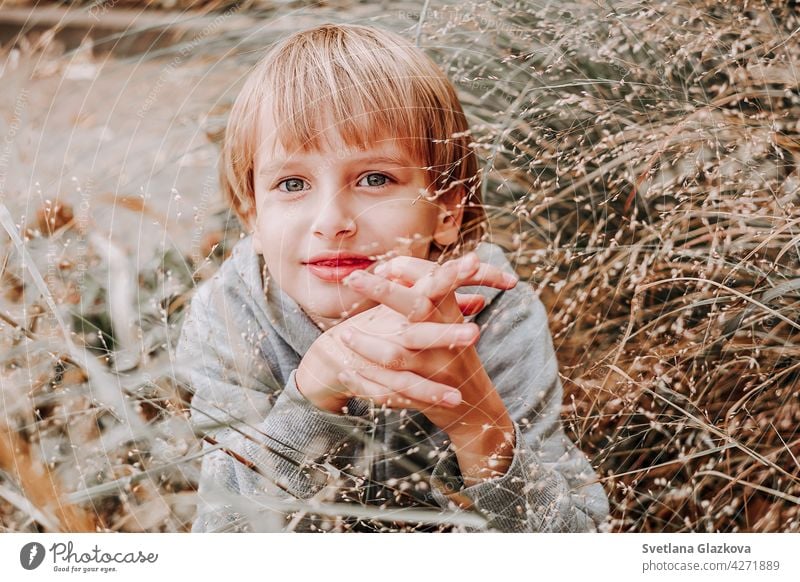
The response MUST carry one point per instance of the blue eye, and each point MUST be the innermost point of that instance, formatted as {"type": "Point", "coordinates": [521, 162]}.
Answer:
{"type": "Point", "coordinates": [292, 185]}
{"type": "Point", "coordinates": [375, 180]}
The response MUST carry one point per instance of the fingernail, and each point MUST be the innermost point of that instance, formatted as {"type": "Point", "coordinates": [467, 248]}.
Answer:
{"type": "Point", "coordinates": [465, 335]}
{"type": "Point", "coordinates": [347, 335]}
{"type": "Point", "coordinates": [511, 279]}
{"type": "Point", "coordinates": [381, 269]}
{"type": "Point", "coordinates": [354, 278]}
{"type": "Point", "coordinates": [452, 397]}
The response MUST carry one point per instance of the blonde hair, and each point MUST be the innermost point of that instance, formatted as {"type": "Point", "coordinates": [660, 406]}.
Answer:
{"type": "Point", "coordinates": [374, 84]}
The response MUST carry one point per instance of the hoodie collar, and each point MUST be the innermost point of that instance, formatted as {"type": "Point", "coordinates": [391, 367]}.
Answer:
{"type": "Point", "coordinates": [293, 324]}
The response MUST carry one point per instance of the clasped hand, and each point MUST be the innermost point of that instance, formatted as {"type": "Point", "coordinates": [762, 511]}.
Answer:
{"type": "Point", "coordinates": [414, 349]}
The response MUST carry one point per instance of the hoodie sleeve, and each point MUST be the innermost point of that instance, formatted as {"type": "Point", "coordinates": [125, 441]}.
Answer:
{"type": "Point", "coordinates": [550, 485]}
{"type": "Point", "coordinates": [276, 445]}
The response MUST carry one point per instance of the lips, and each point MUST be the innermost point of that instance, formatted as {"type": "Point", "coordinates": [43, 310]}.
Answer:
{"type": "Point", "coordinates": [335, 269]}
{"type": "Point", "coordinates": [342, 262]}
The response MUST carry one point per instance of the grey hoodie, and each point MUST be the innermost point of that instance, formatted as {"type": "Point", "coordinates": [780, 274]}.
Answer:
{"type": "Point", "coordinates": [275, 462]}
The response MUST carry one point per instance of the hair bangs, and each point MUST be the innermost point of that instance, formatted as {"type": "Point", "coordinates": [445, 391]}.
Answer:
{"type": "Point", "coordinates": [321, 104]}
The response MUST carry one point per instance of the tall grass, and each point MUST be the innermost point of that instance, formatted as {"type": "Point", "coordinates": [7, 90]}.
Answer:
{"type": "Point", "coordinates": [652, 161]}
{"type": "Point", "coordinates": [641, 166]}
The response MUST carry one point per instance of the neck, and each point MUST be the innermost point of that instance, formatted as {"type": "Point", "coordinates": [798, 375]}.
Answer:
{"type": "Point", "coordinates": [324, 323]}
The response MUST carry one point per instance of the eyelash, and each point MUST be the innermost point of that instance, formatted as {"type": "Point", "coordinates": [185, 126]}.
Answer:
{"type": "Point", "coordinates": [389, 180]}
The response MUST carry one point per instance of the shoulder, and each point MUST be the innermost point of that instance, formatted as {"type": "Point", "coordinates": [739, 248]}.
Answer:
{"type": "Point", "coordinates": [513, 312]}
{"type": "Point", "coordinates": [510, 306]}
{"type": "Point", "coordinates": [236, 285]}
{"type": "Point", "coordinates": [242, 268]}
{"type": "Point", "coordinates": [509, 314]}
{"type": "Point", "coordinates": [225, 332]}
{"type": "Point", "coordinates": [225, 314]}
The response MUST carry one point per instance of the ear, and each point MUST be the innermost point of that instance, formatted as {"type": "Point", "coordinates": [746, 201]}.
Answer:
{"type": "Point", "coordinates": [448, 224]}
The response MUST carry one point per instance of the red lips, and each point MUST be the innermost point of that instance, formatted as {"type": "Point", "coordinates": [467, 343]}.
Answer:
{"type": "Point", "coordinates": [338, 257]}
{"type": "Point", "coordinates": [333, 267]}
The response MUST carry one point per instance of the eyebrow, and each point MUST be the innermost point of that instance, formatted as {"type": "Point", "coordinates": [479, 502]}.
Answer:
{"type": "Point", "coordinates": [398, 160]}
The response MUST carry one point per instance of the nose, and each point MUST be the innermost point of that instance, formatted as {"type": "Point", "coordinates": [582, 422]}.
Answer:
{"type": "Point", "coordinates": [334, 219]}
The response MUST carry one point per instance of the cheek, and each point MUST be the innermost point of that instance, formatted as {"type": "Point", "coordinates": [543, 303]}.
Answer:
{"type": "Point", "coordinates": [280, 225]}
{"type": "Point", "coordinates": [401, 227]}
{"type": "Point", "coordinates": [401, 218]}
{"type": "Point", "coordinates": [276, 244]}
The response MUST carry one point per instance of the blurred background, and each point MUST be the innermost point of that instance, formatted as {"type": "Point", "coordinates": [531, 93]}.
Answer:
{"type": "Point", "coordinates": [640, 167]}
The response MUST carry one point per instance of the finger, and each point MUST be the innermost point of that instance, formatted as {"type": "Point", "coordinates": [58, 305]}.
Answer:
{"type": "Point", "coordinates": [470, 303]}
{"type": "Point", "coordinates": [439, 283]}
{"type": "Point", "coordinates": [428, 335]}
{"type": "Point", "coordinates": [360, 387]}
{"type": "Point", "coordinates": [409, 270]}
{"type": "Point", "coordinates": [405, 300]}
{"type": "Point", "coordinates": [413, 386]}
{"type": "Point", "coordinates": [396, 352]}
{"type": "Point", "coordinates": [377, 350]}
{"type": "Point", "coordinates": [363, 387]}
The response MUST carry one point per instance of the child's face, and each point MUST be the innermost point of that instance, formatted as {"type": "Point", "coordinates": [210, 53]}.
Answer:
{"type": "Point", "coordinates": [338, 200]}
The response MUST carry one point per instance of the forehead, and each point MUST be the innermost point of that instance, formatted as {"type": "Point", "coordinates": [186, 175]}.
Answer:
{"type": "Point", "coordinates": [321, 133]}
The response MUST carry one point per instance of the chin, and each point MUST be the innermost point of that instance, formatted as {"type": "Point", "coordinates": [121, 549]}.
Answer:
{"type": "Point", "coordinates": [333, 308]}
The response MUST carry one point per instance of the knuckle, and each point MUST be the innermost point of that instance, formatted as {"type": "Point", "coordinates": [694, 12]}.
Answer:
{"type": "Point", "coordinates": [408, 341]}
{"type": "Point", "coordinates": [394, 357]}
{"type": "Point", "coordinates": [402, 261]}
{"type": "Point", "coordinates": [422, 309]}
{"type": "Point", "coordinates": [424, 284]}
{"type": "Point", "coordinates": [453, 264]}
{"type": "Point", "coordinates": [396, 265]}
{"type": "Point", "coordinates": [389, 268]}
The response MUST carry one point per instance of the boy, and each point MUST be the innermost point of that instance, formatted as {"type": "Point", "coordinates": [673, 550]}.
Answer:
{"type": "Point", "coordinates": [334, 373]}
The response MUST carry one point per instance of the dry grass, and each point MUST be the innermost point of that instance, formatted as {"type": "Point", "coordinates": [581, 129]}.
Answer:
{"type": "Point", "coordinates": [40, 495]}
{"type": "Point", "coordinates": [654, 171]}
{"type": "Point", "coordinates": [642, 167]}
